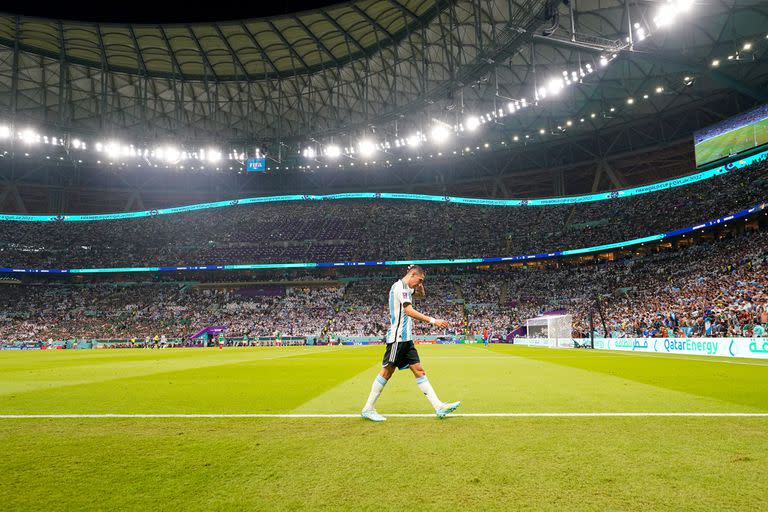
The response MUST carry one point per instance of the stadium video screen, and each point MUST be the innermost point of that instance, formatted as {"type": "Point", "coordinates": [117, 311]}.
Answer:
{"type": "Point", "coordinates": [732, 136]}
{"type": "Point", "coordinates": [256, 165]}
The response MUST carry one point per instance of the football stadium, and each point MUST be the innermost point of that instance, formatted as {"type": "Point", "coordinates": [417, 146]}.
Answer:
{"type": "Point", "coordinates": [376, 254]}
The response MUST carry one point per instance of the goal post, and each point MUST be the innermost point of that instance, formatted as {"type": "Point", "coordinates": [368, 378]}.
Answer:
{"type": "Point", "coordinates": [554, 329]}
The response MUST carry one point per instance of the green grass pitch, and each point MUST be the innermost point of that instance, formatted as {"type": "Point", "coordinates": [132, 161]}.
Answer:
{"type": "Point", "coordinates": [737, 141]}
{"type": "Point", "coordinates": [422, 463]}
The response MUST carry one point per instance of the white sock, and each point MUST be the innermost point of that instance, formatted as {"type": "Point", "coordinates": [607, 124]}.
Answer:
{"type": "Point", "coordinates": [376, 388]}
{"type": "Point", "coordinates": [426, 388]}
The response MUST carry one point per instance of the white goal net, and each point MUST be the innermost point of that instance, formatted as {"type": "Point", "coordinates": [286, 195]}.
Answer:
{"type": "Point", "coordinates": [550, 330]}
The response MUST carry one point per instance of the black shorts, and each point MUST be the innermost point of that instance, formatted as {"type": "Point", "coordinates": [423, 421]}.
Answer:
{"type": "Point", "coordinates": [404, 355]}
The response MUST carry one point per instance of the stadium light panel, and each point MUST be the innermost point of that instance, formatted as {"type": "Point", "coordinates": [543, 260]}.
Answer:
{"type": "Point", "coordinates": [76, 143]}
{"type": "Point", "coordinates": [439, 134]}
{"type": "Point", "coordinates": [472, 123]}
{"type": "Point", "coordinates": [603, 60]}
{"type": "Point", "coordinates": [366, 147]}
{"type": "Point", "coordinates": [30, 136]}
{"type": "Point", "coordinates": [665, 16]}
{"type": "Point", "coordinates": [715, 63]}
{"type": "Point", "coordinates": [630, 101]}
{"type": "Point", "coordinates": [333, 151]}
{"type": "Point", "coordinates": [747, 46]}
{"type": "Point", "coordinates": [5, 132]}
{"type": "Point", "coordinates": [112, 149]}
{"type": "Point", "coordinates": [213, 155]}
{"type": "Point", "coordinates": [171, 155]}
{"type": "Point", "coordinates": [555, 86]}
{"type": "Point", "coordinates": [413, 141]}
{"type": "Point", "coordinates": [309, 152]}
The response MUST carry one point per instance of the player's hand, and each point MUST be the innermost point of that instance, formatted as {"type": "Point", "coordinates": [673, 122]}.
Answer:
{"type": "Point", "coordinates": [441, 323]}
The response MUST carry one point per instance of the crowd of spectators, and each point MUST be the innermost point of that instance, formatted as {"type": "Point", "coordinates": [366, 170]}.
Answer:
{"type": "Point", "coordinates": [108, 311]}
{"type": "Point", "coordinates": [712, 288]}
{"type": "Point", "coordinates": [715, 288]}
{"type": "Point", "coordinates": [364, 230]}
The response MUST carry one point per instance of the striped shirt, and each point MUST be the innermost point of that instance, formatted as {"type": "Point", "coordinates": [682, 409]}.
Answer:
{"type": "Point", "coordinates": [400, 324]}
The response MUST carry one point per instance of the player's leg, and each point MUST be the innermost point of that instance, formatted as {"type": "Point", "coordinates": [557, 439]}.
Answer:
{"type": "Point", "coordinates": [369, 410]}
{"type": "Point", "coordinates": [441, 408]}
{"type": "Point", "coordinates": [424, 385]}
{"type": "Point", "coordinates": [387, 369]}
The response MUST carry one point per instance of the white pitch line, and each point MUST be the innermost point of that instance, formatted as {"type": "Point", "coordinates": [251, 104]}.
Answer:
{"type": "Point", "coordinates": [464, 415]}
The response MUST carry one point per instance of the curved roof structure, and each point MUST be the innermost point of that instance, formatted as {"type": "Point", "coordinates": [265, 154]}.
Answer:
{"type": "Point", "coordinates": [369, 65]}
{"type": "Point", "coordinates": [254, 49]}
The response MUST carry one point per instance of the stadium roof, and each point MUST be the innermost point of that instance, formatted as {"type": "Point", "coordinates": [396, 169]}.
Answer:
{"type": "Point", "coordinates": [251, 49]}
{"type": "Point", "coordinates": [383, 66]}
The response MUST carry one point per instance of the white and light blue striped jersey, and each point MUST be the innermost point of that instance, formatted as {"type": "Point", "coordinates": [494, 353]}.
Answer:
{"type": "Point", "coordinates": [400, 324]}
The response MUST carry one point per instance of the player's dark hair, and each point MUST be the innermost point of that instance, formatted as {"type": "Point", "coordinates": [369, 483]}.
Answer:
{"type": "Point", "coordinates": [417, 269]}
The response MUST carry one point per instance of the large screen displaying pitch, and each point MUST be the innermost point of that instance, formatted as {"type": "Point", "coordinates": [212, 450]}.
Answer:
{"type": "Point", "coordinates": [732, 136]}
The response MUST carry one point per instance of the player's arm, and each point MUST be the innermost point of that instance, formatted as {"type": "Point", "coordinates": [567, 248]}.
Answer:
{"type": "Point", "coordinates": [411, 312]}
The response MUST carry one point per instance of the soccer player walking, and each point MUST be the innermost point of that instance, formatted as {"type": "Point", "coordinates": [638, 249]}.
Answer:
{"type": "Point", "coordinates": [400, 352]}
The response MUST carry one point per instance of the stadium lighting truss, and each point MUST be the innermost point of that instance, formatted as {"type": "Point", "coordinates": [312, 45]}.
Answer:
{"type": "Point", "coordinates": [121, 153]}
{"type": "Point", "coordinates": [436, 139]}
{"type": "Point", "coordinates": [449, 138]}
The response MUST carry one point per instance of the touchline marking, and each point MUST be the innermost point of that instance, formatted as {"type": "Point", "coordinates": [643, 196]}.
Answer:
{"type": "Point", "coordinates": [461, 415]}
